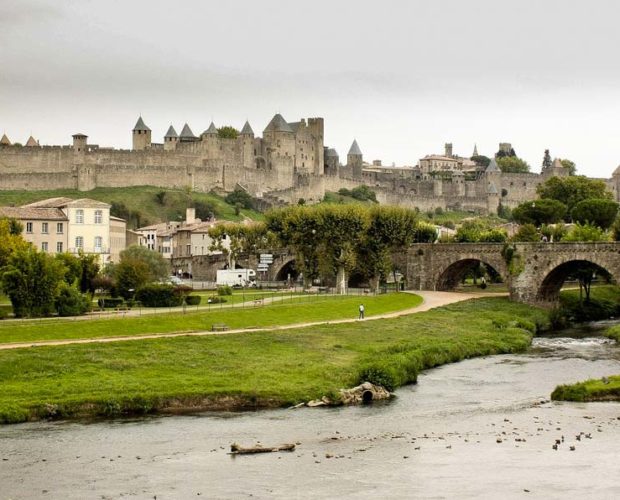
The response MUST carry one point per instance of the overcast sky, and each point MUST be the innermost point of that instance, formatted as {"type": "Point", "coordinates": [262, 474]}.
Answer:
{"type": "Point", "coordinates": [403, 77]}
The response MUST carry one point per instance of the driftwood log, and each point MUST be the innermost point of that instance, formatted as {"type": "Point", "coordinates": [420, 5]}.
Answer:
{"type": "Point", "coordinates": [236, 449]}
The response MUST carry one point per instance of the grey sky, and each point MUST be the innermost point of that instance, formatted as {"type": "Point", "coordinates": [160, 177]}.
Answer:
{"type": "Point", "coordinates": [402, 77]}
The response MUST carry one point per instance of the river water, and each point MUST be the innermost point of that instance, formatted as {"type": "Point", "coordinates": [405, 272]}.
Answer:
{"type": "Point", "coordinates": [475, 429]}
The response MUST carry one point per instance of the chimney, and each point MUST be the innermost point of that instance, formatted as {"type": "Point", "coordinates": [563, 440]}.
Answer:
{"type": "Point", "coordinates": [190, 215]}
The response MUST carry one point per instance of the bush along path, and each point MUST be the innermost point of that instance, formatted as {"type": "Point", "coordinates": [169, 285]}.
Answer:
{"type": "Point", "coordinates": [277, 368]}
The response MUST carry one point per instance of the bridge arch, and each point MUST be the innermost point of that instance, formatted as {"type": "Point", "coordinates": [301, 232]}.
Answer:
{"type": "Point", "coordinates": [452, 274]}
{"type": "Point", "coordinates": [285, 268]}
{"type": "Point", "coordinates": [547, 287]}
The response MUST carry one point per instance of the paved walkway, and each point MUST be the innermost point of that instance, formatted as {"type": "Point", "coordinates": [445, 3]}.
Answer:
{"type": "Point", "coordinates": [430, 301]}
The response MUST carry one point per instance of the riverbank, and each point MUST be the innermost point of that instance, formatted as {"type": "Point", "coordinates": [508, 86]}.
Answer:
{"type": "Point", "coordinates": [603, 389]}
{"type": "Point", "coordinates": [253, 370]}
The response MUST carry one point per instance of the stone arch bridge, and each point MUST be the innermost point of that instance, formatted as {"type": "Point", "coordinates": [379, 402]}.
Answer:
{"type": "Point", "coordinates": [534, 272]}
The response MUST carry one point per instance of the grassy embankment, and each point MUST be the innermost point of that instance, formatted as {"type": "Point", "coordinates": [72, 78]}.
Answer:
{"type": "Point", "coordinates": [253, 370]}
{"type": "Point", "coordinates": [141, 200]}
{"type": "Point", "coordinates": [605, 303]}
{"type": "Point", "coordinates": [301, 310]}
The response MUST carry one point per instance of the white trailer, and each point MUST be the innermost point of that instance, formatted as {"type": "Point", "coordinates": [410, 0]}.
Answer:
{"type": "Point", "coordinates": [236, 277]}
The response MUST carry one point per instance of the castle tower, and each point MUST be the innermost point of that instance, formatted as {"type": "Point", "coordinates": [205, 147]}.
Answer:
{"type": "Point", "coordinates": [280, 140]}
{"type": "Point", "coordinates": [448, 149]}
{"type": "Point", "coordinates": [79, 143]}
{"type": "Point", "coordinates": [475, 150]}
{"type": "Point", "coordinates": [492, 199]}
{"type": "Point", "coordinates": [141, 136]}
{"type": "Point", "coordinates": [332, 161]}
{"type": "Point", "coordinates": [246, 136]}
{"type": "Point", "coordinates": [355, 160]}
{"type": "Point", "coordinates": [317, 127]}
{"type": "Point", "coordinates": [5, 141]}
{"type": "Point", "coordinates": [187, 135]}
{"type": "Point", "coordinates": [32, 142]}
{"type": "Point", "coordinates": [171, 139]}
{"type": "Point", "coordinates": [211, 132]}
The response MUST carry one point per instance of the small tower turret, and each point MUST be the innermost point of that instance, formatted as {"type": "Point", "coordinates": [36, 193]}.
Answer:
{"type": "Point", "coordinates": [187, 135]}
{"type": "Point", "coordinates": [475, 150]}
{"type": "Point", "coordinates": [246, 136]}
{"type": "Point", "coordinates": [5, 141]}
{"type": "Point", "coordinates": [247, 130]}
{"type": "Point", "coordinates": [492, 199]}
{"type": "Point", "coordinates": [448, 149]}
{"type": "Point", "coordinates": [79, 142]}
{"type": "Point", "coordinates": [171, 139]}
{"type": "Point", "coordinates": [355, 160]}
{"type": "Point", "coordinates": [141, 136]}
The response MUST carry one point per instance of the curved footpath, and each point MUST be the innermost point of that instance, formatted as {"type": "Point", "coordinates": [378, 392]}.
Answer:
{"type": "Point", "coordinates": [431, 300]}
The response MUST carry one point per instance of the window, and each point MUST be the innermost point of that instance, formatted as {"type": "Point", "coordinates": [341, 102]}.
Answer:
{"type": "Point", "coordinates": [44, 227]}
{"type": "Point", "coordinates": [98, 243]}
{"type": "Point", "coordinates": [79, 242]}
{"type": "Point", "coordinates": [98, 216]}
{"type": "Point", "coordinates": [29, 227]}
{"type": "Point", "coordinates": [188, 249]}
{"type": "Point", "coordinates": [79, 216]}
{"type": "Point", "coordinates": [59, 246]}
{"type": "Point", "coordinates": [44, 246]}
{"type": "Point", "coordinates": [59, 228]}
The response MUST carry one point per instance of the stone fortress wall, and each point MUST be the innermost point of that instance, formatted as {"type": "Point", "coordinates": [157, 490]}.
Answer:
{"type": "Point", "coordinates": [288, 163]}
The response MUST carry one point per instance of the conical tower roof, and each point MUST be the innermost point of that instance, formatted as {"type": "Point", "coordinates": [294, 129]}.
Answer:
{"type": "Point", "coordinates": [331, 153]}
{"type": "Point", "coordinates": [31, 142]}
{"type": "Point", "coordinates": [247, 130]}
{"type": "Point", "coordinates": [278, 124]}
{"type": "Point", "coordinates": [355, 149]}
{"type": "Point", "coordinates": [171, 133]}
{"type": "Point", "coordinates": [492, 166]}
{"type": "Point", "coordinates": [5, 140]}
{"type": "Point", "coordinates": [141, 126]}
{"type": "Point", "coordinates": [187, 133]}
{"type": "Point", "coordinates": [212, 130]}
{"type": "Point", "coordinates": [475, 150]}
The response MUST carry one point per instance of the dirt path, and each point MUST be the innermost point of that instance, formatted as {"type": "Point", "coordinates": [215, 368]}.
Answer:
{"type": "Point", "coordinates": [430, 301]}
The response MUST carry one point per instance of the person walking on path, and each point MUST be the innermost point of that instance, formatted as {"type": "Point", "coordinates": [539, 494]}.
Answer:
{"type": "Point", "coordinates": [361, 311]}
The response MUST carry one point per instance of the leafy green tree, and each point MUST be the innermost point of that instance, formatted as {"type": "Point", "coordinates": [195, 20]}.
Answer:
{"type": "Point", "coordinates": [89, 269]}
{"type": "Point", "coordinates": [155, 262]}
{"type": "Point", "coordinates": [600, 212]}
{"type": "Point", "coordinates": [503, 154]}
{"type": "Point", "coordinates": [227, 132]}
{"type": "Point", "coordinates": [234, 239]}
{"type": "Point", "coordinates": [205, 210]}
{"type": "Point", "coordinates": [363, 193]}
{"type": "Point", "coordinates": [538, 212]}
{"type": "Point", "coordinates": [526, 233]}
{"type": "Point", "coordinates": [493, 235]}
{"type": "Point", "coordinates": [70, 302]}
{"type": "Point", "coordinates": [11, 240]}
{"type": "Point", "coordinates": [31, 279]}
{"type": "Point", "coordinates": [470, 231]}
{"type": "Point", "coordinates": [481, 160]}
{"type": "Point", "coordinates": [512, 164]}
{"type": "Point", "coordinates": [615, 230]}
{"type": "Point", "coordinates": [137, 266]}
{"type": "Point", "coordinates": [570, 166]}
{"type": "Point", "coordinates": [572, 190]}
{"type": "Point", "coordinates": [546, 159]}
{"type": "Point", "coordinates": [73, 267]}
{"type": "Point", "coordinates": [586, 232]}
{"type": "Point", "coordinates": [553, 232]}
{"type": "Point", "coordinates": [241, 197]}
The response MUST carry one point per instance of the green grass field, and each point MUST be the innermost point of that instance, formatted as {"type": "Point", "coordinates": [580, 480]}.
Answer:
{"type": "Point", "coordinates": [262, 369]}
{"type": "Point", "coordinates": [302, 309]}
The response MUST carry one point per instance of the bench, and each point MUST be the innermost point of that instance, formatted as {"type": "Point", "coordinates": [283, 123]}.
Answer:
{"type": "Point", "coordinates": [219, 327]}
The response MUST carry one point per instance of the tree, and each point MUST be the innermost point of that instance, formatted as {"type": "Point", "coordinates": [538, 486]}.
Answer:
{"type": "Point", "coordinates": [538, 212]}
{"type": "Point", "coordinates": [615, 230]}
{"type": "Point", "coordinates": [89, 267]}
{"type": "Point", "coordinates": [481, 160]}
{"type": "Point", "coordinates": [546, 159]}
{"type": "Point", "coordinates": [572, 190]}
{"type": "Point", "coordinates": [11, 240]}
{"type": "Point", "coordinates": [131, 274]}
{"type": "Point", "coordinates": [473, 231]}
{"type": "Point", "coordinates": [73, 267]}
{"type": "Point", "coordinates": [586, 232]}
{"type": "Point", "coordinates": [31, 279]}
{"type": "Point", "coordinates": [158, 267]}
{"type": "Point", "coordinates": [227, 132]}
{"type": "Point", "coordinates": [512, 164]}
{"type": "Point", "coordinates": [363, 193]}
{"type": "Point", "coordinates": [243, 198]}
{"type": "Point", "coordinates": [600, 212]}
{"type": "Point", "coordinates": [234, 239]}
{"type": "Point", "coordinates": [505, 154]}
{"type": "Point", "coordinates": [526, 233]}
{"type": "Point", "coordinates": [570, 165]}
{"type": "Point", "coordinates": [70, 302]}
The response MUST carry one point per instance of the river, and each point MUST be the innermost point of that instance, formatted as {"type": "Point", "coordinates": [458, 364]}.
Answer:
{"type": "Point", "coordinates": [482, 428]}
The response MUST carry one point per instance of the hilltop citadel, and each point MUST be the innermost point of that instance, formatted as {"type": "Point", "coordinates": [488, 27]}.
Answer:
{"type": "Point", "coordinates": [289, 162]}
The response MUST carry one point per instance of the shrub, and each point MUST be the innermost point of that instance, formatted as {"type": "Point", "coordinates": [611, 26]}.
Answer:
{"type": "Point", "coordinates": [224, 290]}
{"type": "Point", "coordinates": [193, 300]}
{"type": "Point", "coordinates": [215, 299]}
{"type": "Point", "coordinates": [70, 302]}
{"type": "Point", "coordinates": [158, 295]}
